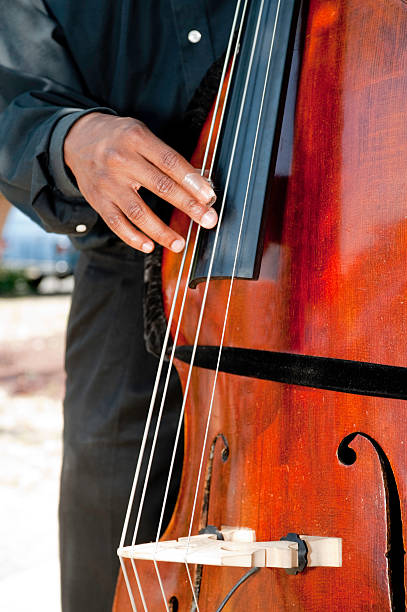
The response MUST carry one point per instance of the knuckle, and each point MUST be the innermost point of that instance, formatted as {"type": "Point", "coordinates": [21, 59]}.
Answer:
{"type": "Point", "coordinates": [170, 159]}
{"type": "Point", "coordinates": [164, 184]}
{"type": "Point", "coordinates": [135, 185]}
{"type": "Point", "coordinates": [164, 237]}
{"type": "Point", "coordinates": [193, 209]}
{"type": "Point", "coordinates": [111, 156]}
{"type": "Point", "coordinates": [113, 220]}
{"type": "Point", "coordinates": [136, 213]}
{"type": "Point", "coordinates": [138, 130]}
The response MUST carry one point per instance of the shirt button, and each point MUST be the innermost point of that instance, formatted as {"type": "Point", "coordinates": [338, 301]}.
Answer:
{"type": "Point", "coordinates": [194, 36]}
{"type": "Point", "coordinates": [81, 228]}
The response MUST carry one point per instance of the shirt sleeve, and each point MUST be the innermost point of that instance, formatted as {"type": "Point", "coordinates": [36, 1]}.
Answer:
{"type": "Point", "coordinates": [41, 96]}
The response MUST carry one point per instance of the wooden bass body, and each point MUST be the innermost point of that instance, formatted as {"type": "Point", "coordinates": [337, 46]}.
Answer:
{"type": "Point", "coordinates": [306, 454]}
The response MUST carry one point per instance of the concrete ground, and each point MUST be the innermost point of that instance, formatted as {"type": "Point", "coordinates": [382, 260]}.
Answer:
{"type": "Point", "coordinates": [31, 390]}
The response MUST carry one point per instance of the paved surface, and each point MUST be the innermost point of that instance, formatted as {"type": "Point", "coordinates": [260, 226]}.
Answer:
{"type": "Point", "coordinates": [31, 389]}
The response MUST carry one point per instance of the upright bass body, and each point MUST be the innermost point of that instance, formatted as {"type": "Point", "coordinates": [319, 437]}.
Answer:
{"type": "Point", "coordinates": [324, 451]}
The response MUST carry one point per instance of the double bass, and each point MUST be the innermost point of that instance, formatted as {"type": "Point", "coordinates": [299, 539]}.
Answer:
{"type": "Point", "coordinates": [288, 327]}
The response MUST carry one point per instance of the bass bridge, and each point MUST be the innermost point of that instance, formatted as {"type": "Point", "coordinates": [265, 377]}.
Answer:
{"type": "Point", "coordinates": [237, 547]}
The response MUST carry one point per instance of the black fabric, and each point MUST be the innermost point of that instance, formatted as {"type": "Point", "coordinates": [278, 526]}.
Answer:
{"type": "Point", "coordinates": [129, 56]}
{"type": "Point", "coordinates": [200, 106]}
{"type": "Point", "coordinates": [109, 381]}
{"type": "Point", "coordinates": [60, 58]}
{"type": "Point", "coordinates": [155, 323]}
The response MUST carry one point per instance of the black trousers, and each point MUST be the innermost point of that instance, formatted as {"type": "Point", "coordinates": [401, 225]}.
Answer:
{"type": "Point", "coordinates": [109, 381]}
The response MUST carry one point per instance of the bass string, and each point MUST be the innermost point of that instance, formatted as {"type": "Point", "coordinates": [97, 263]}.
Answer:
{"type": "Point", "coordinates": [137, 577]}
{"type": "Point", "coordinates": [234, 267]}
{"type": "Point", "coordinates": [235, 260]}
{"type": "Point", "coordinates": [172, 356]}
{"type": "Point", "coordinates": [181, 417]}
{"type": "Point", "coordinates": [165, 343]}
{"type": "Point", "coordinates": [237, 250]}
{"type": "Point", "coordinates": [186, 390]}
{"type": "Point", "coordinates": [128, 586]}
{"type": "Point", "coordinates": [142, 450]}
{"type": "Point", "coordinates": [144, 442]}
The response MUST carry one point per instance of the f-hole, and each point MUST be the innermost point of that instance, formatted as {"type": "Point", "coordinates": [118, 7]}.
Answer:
{"type": "Point", "coordinates": [203, 521]}
{"type": "Point", "coordinates": [395, 546]}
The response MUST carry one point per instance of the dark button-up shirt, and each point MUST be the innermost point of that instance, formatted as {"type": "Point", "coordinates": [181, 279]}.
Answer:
{"type": "Point", "coordinates": [60, 59]}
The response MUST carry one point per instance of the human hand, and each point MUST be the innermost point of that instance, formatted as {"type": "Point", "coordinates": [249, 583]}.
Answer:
{"type": "Point", "coordinates": [112, 157]}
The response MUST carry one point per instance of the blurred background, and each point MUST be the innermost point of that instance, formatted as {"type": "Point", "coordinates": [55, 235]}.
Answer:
{"type": "Point", "coordinates": [35, 285]}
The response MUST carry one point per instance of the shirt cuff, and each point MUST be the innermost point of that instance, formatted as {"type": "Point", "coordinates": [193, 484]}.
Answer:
{"type": "Point", "coordinates": [63, 179]}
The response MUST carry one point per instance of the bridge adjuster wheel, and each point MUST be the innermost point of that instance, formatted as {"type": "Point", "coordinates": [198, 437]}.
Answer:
{"type": "Point", "coordinates": [302, 553]}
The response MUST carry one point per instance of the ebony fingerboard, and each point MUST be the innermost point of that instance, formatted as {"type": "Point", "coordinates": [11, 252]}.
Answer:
{"type": "Point", "coordinates": [254, 170]}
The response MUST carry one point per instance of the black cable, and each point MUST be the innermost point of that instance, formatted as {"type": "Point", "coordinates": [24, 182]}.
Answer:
{"type": "Point", "coordinates": [237, 585]}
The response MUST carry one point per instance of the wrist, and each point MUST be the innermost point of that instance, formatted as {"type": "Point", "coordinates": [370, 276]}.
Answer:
{"type": "Point", "coordinates": [77, 134]}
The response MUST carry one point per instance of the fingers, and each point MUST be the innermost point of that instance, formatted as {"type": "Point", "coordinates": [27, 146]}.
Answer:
{"type": "Point", "coordinates": [127, 219]}
{"type": "Point", "coordinates": [111, 157]}
{"type": "Point", "coordinates": [168, 189]}
{"type": "Point", "coordinates": [173, 165]}
{"type": "Point", "coordinates": [137, 211]}
{"type": "Point", "coordinates": [121, 226]}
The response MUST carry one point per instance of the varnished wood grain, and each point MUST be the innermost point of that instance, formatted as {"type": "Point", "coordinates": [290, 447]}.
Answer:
{"type": "Point", "coordinates": [334, 285]}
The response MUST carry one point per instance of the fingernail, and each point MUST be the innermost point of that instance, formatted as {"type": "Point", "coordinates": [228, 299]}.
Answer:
{"type": "Point", "coordinates": [209, 219]}
{"type": "Point", "coordinates": [178, 245]}
{"type": "Point", "coordinates": [147, 247]}
{"type": "Point", "coordinates": [200, 185]}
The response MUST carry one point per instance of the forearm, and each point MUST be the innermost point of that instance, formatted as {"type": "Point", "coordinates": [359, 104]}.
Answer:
{"type": "Point", "coordinates": [38, 87]}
